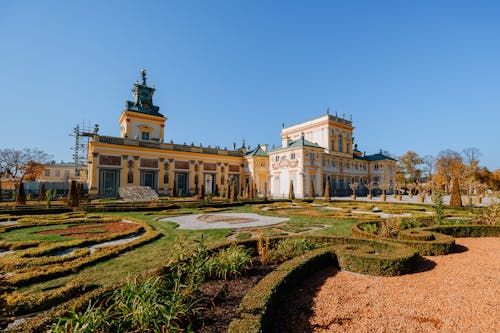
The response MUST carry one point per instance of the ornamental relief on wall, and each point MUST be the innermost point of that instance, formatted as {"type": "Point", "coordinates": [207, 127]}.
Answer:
{"type": "Point", "coordinates": [285, 163]}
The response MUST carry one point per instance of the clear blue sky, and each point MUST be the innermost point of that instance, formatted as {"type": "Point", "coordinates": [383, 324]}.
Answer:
{"type": "Point", "coordinates": [415, 75]}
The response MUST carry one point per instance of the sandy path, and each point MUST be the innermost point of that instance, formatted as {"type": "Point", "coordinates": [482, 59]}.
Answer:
{"type": "Point", "coordinates": [459, 292]}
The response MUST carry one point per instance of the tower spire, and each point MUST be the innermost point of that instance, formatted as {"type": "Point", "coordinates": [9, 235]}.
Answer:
{"type": "Point", "coordinates": [143, 73]}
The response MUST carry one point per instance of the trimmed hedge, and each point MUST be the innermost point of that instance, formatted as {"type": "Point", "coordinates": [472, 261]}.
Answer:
{"type": "Point", "coordinates": [39, 323]}
{"type": "Point", "coordinates": [468, 230]}
{"type": "Point", "coordinates": [253, 311]}
{"type": "Point", "coordinates": [19, 304]}
{"type": "Point", "coordinates": [49, 272]}
{"type": "Point", "coordinates": [441, 244]}
{"type": "Point", "coordinates": [376, 258]}
{"type": "Point", "coordinates": [416, 234]}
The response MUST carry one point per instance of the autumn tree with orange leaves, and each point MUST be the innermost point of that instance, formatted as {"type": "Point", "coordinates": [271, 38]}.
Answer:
{"type": "Point", "coordinates": [26, 164]}
{"type": "Point", "coordinates": [449, 164]}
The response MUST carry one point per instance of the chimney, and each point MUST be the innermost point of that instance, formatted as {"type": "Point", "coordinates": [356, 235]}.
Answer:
{"type": "Point", "coordinates": [285, 141]}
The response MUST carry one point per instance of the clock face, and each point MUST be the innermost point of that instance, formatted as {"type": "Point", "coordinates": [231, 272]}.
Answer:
{"type": "Point", "coordinates": [145, 95]}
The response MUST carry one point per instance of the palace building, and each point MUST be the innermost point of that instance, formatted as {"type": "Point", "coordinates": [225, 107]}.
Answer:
{"type": "Point", "coordinates": [311, 154]}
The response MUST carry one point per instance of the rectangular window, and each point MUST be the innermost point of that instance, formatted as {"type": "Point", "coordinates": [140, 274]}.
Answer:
{"type": "Point", "coordinates": [66, 173]}
{"type": "Point", "coordinates": [57, 173]}
{"type": "Point", "coordinates": [333, 163]}
{"type": "Point", "coordinates": [323, 162]}
{"type": "Point", "coordinates": [292, 156]}
{"type": "Point", "coordinates": [145, 135]}
{"type": "Point", "coordinates": [47, 173]}
{"type": "Point", "coordinates": [277, 158]}
{"type": "Point", "coordinates": [311, 156]}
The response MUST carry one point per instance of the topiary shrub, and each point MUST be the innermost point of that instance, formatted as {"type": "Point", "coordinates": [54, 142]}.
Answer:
{"type": "Point", "coordinates": [73, 194]}
{"type": "Point", "coordinates": [21, 195]}
{"type": "Point", "coordinates": [41, 192]}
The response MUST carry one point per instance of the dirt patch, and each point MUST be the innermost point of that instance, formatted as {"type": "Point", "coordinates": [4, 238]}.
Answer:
{"type": "Point", "coordinates": [224, 218]}
{"type": "Point", "coordinates": [92, 230]}
{"type": "Point", "coordinates": [461, 293]}
{"type": "Point", "coordinates": [223, 299]}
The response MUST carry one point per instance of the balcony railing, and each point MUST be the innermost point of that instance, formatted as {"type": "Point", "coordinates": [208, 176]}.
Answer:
{"type": "Point", "coordinates": [167, 146]}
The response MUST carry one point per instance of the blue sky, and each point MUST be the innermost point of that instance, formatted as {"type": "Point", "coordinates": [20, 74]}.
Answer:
{"type": "Point", "coordinates": [415, 75]}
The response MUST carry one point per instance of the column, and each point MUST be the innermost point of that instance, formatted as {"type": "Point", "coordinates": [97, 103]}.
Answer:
{"type": "Point", "coordinates": [124, 172]}
{"type": "Point", "coordinates": [171, 175]}
{"type": "Point", "coordinates": [161, 175]}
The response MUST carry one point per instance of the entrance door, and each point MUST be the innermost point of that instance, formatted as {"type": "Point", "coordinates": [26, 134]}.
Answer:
{"type": "Point", "coordinates": [181, 183]}
{"type": "Point", "coordinates": [209, 183]}
{"type": "Point", "coordinates": [109, 183]}
{"type": "Point", "coordinates": [148, 178]}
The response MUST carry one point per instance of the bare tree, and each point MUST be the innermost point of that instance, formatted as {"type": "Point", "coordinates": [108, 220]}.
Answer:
{"type": "Point", "coordinates": [428, 166]}
{"type": "Point", "coordinates": [21, 163]}
{"type": "Point", "coordinates": [471, 158]}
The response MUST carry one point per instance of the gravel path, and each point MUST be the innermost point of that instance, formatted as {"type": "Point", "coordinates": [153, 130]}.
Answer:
{"type": "Point", "coordinates": [193, 221]}
{"type": "Point", "coordinates": [459, 292]}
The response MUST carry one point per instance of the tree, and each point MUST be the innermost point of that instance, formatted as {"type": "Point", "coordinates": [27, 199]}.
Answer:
{"type": "Point", "coordinates": [449, 164]}
{"type": "Point", "coordinates": [354, 186]}
{"type": "Point", "coordinates": [21, 163]}
{"type": "Point", "coordinates": [471, 160]}
{"type": "Point", "coordinates": [409, 165]}
{"type": "Point", "coordinates": [428, 166]}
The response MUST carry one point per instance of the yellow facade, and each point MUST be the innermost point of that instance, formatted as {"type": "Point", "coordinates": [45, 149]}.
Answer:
{"type": "Point", "coordinates": [312, 152]}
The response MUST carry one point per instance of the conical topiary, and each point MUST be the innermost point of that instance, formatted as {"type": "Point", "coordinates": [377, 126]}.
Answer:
{"type": "Point", "coordinates": [173, 192]}
{"type": "Point", "coordinates": [291, 193]}
{"type": "Point", "coordinates": [201, 193]}
{"type": "Point", "coordinates": [79, 189]}
{"type": "Point", "coordinates": [311, 188]}
{"type": "Point", "coordinates": [41, 192]}
{"type": "Point", "coordinates": [232, 197]}
{"type": "Point", "coordinates": [21, 195]}
{"type": "Point", "coordinates": [73, 194]}
{"type": "Point", "coordinates": [455, 198]}
{"type": "Point", "coordinates": [327, 189]}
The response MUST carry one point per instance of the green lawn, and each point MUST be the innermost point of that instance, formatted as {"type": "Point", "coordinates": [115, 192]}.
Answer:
{"type": "Point", "coordinates": [174, 241]}
{"type": "Point", "coordinates": [30, 234]}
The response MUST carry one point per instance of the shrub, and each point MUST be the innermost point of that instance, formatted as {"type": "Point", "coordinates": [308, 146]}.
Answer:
{"type": "Point", "coordinates": [243, 235]}
{"type": "Point", "coordinates": [229, 262]}
{"type": "Point", "coordinates": [438, 207]}
{"type": "Point", "coordinates": [467, 230]}
{"type": "Point", "coordinates": [490, 215]}
{"type": "Point", "coordinates": [441, 244]}
{"type": "Point", "coordinates": [156, 304]}
{"type": "Point", "coordinates": [288, 248]}
{"type": "Point", "coordinates": [372, 228]}
{"type": "Point", "coordinates": [408, 223]}
{"type": "Point", "coordinates": [21, 195]}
